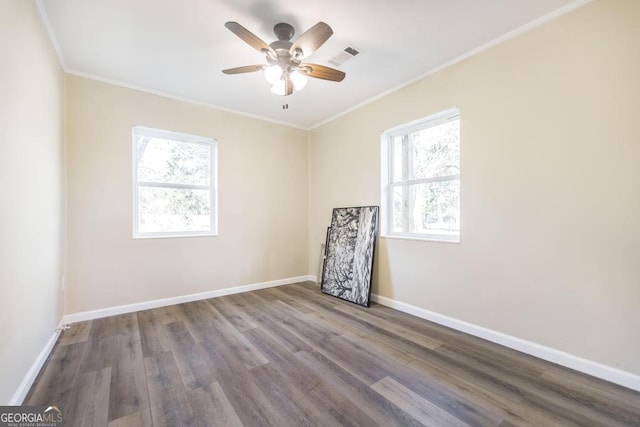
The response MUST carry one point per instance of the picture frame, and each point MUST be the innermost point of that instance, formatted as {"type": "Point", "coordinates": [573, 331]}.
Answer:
{"type": "Point", "coordinates": [323, 257]}
{"type": "Point", "coordinates": [350, 248]}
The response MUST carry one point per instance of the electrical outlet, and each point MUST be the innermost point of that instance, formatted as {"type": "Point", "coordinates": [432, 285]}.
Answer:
{"type": "Point", "coordinates": [63, 327]}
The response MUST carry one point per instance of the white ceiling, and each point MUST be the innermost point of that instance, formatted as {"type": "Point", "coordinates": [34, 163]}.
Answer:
{"type": "Point", "coordinates": [178, 48]}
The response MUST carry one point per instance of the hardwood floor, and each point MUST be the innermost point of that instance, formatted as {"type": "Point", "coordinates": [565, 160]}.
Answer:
{"type": "Point", "coordinates": [291, 356]}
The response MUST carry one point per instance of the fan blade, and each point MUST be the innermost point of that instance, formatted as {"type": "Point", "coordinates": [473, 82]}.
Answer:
{"type": "Point", "coordinates": [245, 69]}
{"type": "Point", "coordinates": [248, 37]}
{"type": "Point", "coordinates": [288, 87]}
{"type": "Point", "coordinates": [311, 39]}
{"type": "Point", "coordinates": [322, 72]}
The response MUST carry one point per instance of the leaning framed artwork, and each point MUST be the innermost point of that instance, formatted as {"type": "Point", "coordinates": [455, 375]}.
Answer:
{"type": "Point", "coordinates": [350, 247]}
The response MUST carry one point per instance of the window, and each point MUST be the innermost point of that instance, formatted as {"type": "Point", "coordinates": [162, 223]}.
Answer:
{"type": "Point", "coordinates": [174, 184]}
{"type": "Point", "coordinates": [421, 178]}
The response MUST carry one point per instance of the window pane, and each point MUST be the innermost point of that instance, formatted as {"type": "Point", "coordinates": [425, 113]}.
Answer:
{"type": "Point", "coordinates": [427, 208]}
{"type": "Point", "coordinates": [436, 151]}
{"type": "Point", "coordinates": [398, 159]}
{"type": "Point", "coordinates": [176, 162]}
{"type": "Point", "coordinates": [397, 221]}
{"type": "Point", "coordinates": [437, 207]}
{"type": "Point", "coordinates": [173, 210]}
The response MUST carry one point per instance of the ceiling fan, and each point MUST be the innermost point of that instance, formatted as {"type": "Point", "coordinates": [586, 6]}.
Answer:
{"type": "Point", "coordinates": [285, 69]}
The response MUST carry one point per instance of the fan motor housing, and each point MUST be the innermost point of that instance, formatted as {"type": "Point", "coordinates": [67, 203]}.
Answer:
{"type": "Point", "coordinates": [284, 31]}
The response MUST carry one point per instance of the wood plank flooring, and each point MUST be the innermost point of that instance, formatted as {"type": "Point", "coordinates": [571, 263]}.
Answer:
{"type": "Point", "coordinates": [291, 356]}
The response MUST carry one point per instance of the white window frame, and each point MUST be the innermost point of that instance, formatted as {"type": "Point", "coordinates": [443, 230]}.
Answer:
{"type": "Point", "coordinates": [212, 187]}
{"type": "Point", "coordinates": [387, 157]}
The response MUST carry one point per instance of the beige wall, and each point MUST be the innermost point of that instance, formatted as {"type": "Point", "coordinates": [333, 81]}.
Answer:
{"type": "Point", "coordinates": [31, 192]}
{"type": "Point", "coordinates": [550, 241]}
{"type": "Point", "coordinates": [263, 219]}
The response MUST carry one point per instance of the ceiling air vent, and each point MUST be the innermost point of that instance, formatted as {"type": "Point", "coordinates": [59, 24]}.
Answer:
{"type": "Point", "coordinates": [348, 53]}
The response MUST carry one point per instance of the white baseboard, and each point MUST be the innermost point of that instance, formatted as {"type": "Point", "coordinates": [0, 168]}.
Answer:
{"type": "Point", "coordinates": [595, 369]}
{"type": "Point", "coordinates": [130, 308]}
{"type": "Point", "coordinates": [607, 373]}
{"type": "Point", "coordinates": [27, 381]}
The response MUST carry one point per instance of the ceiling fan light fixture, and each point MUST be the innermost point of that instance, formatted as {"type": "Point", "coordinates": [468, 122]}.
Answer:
{"type": "Point", "coordinates": [284, 70]}
{"type": "Point", "coordinates": [299, 80]}
{"type": "Point", "coordinates": [273, 74]}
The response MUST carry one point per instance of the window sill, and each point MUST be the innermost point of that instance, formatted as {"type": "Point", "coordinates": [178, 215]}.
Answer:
{"type": "Point", "coordinates": [170, 236]}
{"type": "Point", "coordinates": [436, 239]}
